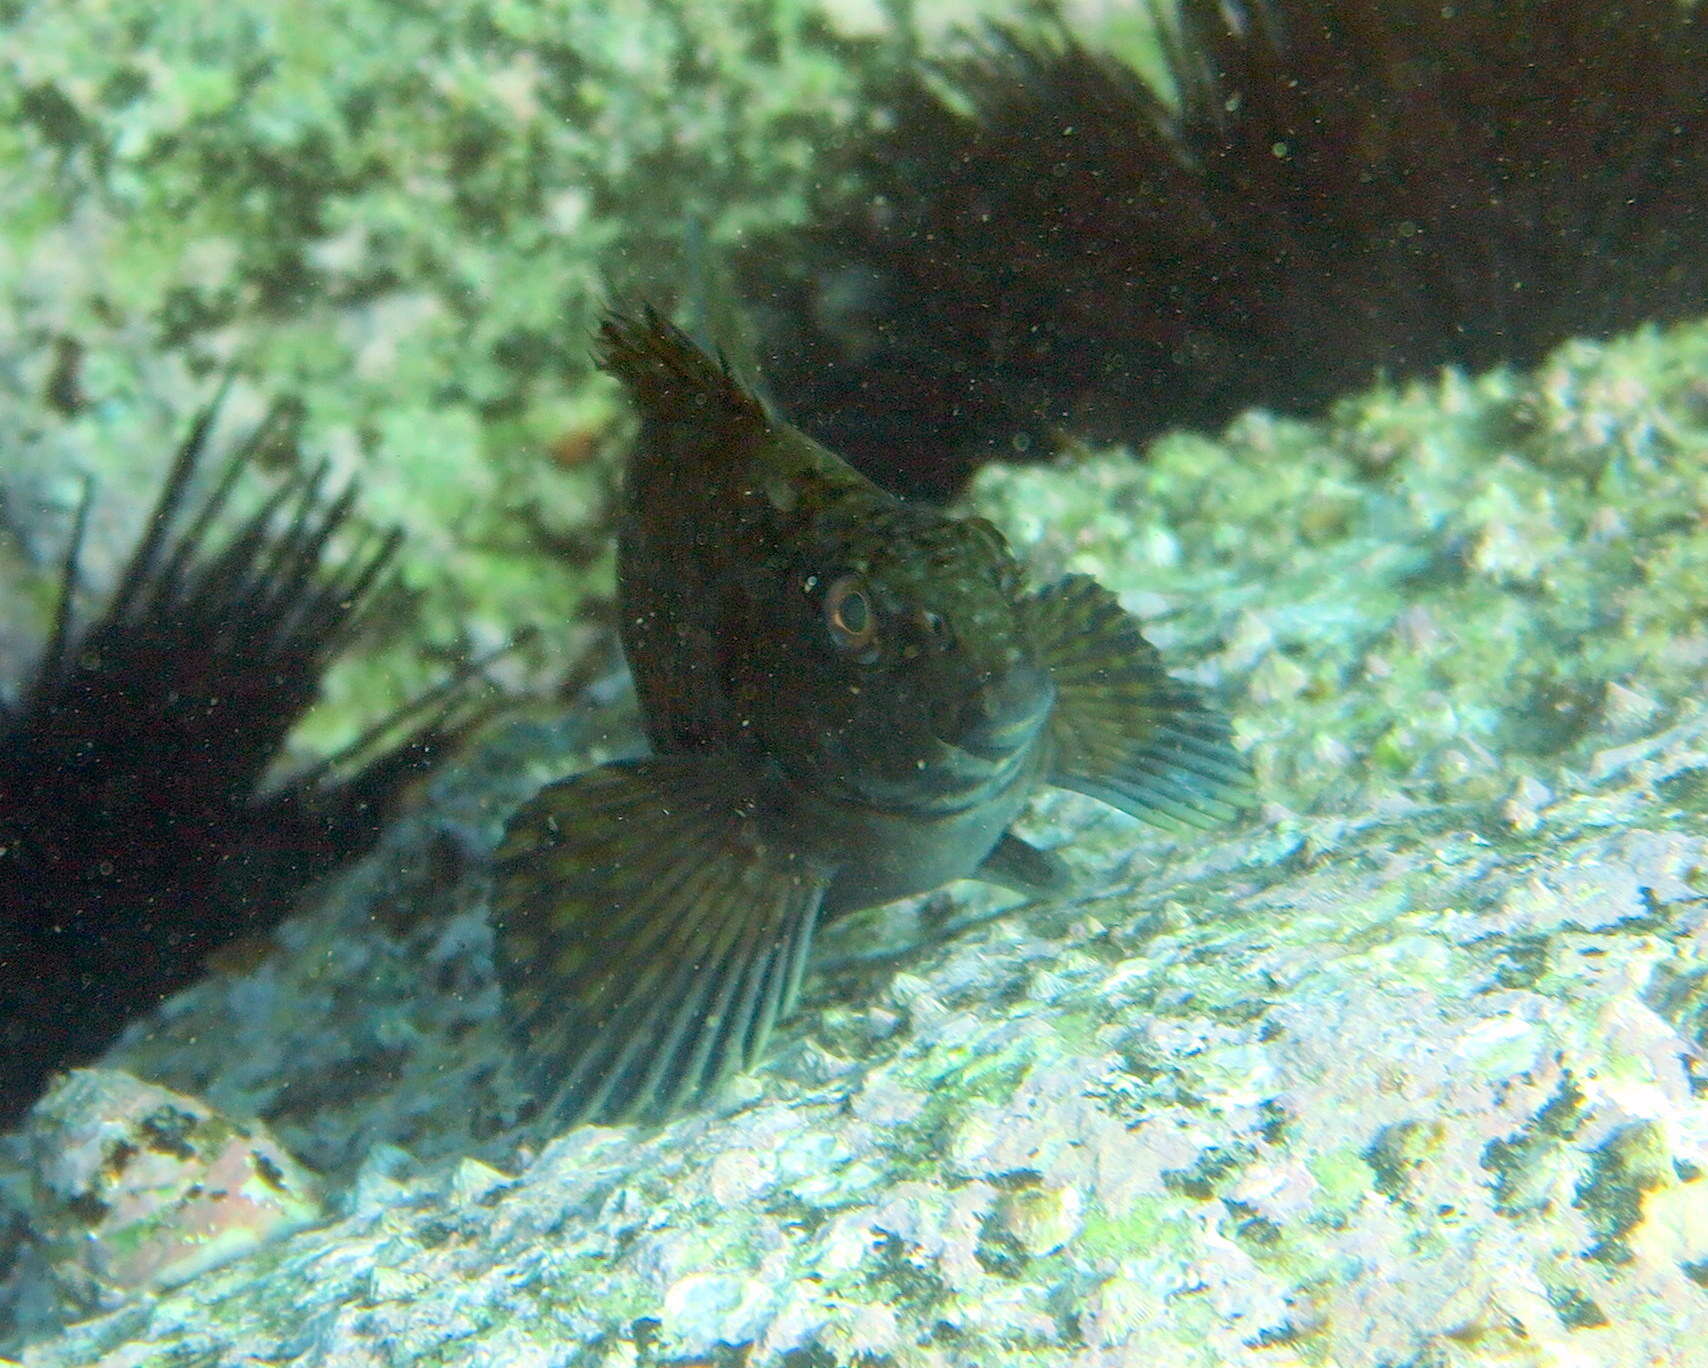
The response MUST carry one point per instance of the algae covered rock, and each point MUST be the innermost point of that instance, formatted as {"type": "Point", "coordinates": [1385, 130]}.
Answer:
{"type": "Point", "coordinates": [1410, 1069]}
{"type": "Point", "coordinates": [135, 1188]}
{"type": "Point", "coordinates": [404, 221]}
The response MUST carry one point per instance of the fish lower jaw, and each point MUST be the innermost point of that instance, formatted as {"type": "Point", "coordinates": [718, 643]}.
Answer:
{"type": "Point", "coordinates": [953, 781]}
{"type": "Point", "coordinates": [881, 853]}
{"type": "Point", "coordinates": [903, 857]}
{"type": "Point", "coordinates": [925, 802]}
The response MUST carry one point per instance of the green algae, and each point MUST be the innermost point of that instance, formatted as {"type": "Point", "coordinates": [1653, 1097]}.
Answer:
{"type": "Point", "coordinates": [405, 222]}
{"type": "Point", "coordinates": [1462, 576]}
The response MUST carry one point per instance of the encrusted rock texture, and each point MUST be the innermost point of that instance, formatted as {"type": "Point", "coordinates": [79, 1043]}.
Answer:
{"type": "Point", "coordinates": [1410, 1069]}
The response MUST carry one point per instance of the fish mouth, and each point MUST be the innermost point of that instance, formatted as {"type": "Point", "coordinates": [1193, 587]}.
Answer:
{"type": "Point", "coordinates": [1004, 715]}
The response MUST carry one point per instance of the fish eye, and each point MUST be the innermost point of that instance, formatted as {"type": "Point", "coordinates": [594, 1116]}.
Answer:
{"type": "Point", "coordinates": [848, 613]}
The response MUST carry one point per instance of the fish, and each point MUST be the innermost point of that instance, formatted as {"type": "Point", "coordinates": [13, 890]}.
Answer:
{"type": "Point", "coordinates": [848, 698]}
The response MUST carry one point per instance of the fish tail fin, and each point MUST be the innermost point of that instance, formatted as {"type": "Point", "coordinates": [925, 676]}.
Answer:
{"type": "Point", "coordinates": [671, 377]}
{"type": "Point", "coordinates": [1122, 730]}
{"type": "Point", "coordinates": [649, 937]}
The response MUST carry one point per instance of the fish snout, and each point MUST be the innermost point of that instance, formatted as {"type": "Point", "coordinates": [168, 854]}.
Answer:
{"type": "Point", "coordinates": [1005, 712]}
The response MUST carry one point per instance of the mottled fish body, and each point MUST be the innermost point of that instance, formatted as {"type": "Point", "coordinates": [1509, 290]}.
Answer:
{"type": "Point", "coordinates": [849, 699]}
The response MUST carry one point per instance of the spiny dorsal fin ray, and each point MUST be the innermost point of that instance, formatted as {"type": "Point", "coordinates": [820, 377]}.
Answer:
{"type": "Point", "coordinates": [648, 937]}
{"type": "Point", "coordinates": [672, 377]}
{"type": "Point", "coordinates": [53, 659]}
{"type": "Point", "coordinates": [1122, 730]}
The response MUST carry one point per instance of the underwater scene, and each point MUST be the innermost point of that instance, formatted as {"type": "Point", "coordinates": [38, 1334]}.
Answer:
{"type": "Point", "coordinates": [854, 684]}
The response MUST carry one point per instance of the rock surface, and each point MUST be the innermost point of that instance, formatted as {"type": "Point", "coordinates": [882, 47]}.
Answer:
{"type": "Point", "coordinates": [135, 1188]}
{"type": "Point", "coordinates": [1412, 1069]}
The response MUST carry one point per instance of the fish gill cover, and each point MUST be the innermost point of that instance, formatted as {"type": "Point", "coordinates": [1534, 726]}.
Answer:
{"type": "Point", "coordinates": [1039, 242]}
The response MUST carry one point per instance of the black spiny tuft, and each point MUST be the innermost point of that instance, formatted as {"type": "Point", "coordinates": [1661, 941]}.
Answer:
{"type": "Point", "coordinates": [137, 828]}
{"type": "Point", "coordinates": [1339, 188]}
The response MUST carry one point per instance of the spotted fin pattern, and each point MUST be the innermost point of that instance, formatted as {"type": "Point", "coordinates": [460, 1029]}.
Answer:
{"type": "Point", "coordinates": [649, 937]}
{"type": "Point", "coordinates": [1123, 731]}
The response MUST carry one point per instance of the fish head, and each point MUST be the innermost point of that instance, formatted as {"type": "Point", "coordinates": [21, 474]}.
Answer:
{"type": "Point", "coordinates": [897, 670]}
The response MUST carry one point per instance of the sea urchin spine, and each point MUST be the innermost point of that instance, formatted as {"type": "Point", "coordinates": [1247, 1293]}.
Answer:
{"type": "Point", "coordinates": [138, 831]}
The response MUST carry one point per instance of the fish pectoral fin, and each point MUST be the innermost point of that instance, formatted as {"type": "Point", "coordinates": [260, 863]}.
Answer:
{"type": "Point", "coordinates": [1122, 730]}
{"type": "Point", "coordinates": [1021, 866]}
{"type": "Point", "coordinates": [649, 935]}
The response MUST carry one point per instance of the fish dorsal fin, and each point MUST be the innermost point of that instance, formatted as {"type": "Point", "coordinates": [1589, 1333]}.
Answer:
{"type": "Point", "coordinates": [649, 936]}
{"type": "Point", "coordinates": [1122, 730]}
{"type": "Point", "coordinates": [701, 412]}
{"type": "Point", "coordinates": [671, 378]}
